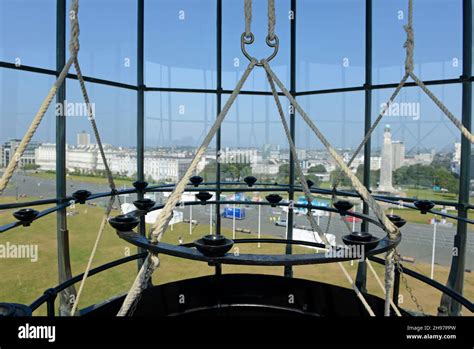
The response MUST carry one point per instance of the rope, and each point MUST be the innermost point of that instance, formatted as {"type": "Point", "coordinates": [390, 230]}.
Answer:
{"type": "Point", "coordinates": [392, 231]}
{"type": "Point", "coordinates": [409, 65]}
{"type": "Point", "coordinates": [444, 109]}
{"type": "Point", "coordinates": [91, 257]}
{"type": "Point", "coordinates": [395, 308]}
{"type": "Point", "coordinates": [356, 290]}
{"type": "Point", "coordinates": [271, 20]}
{"type": "Point", "coordinates": [13, 164]}
{"type": "Point", "coordinates": [368, 135]}
{"type": "Point", "coordinates": [248, 17]}
{"type": "Point", "coordinates": [159, 227]}
{"type": "Point", "coordinates": [91, 118]}
{"type": "Point", "coordinates": [410, 41]}
{"type": "Point", "coordinates": [389, 275]}
{"type": "Point", "coordinates": [74, 49]}
{"type": "Point", "coordinates": [309, 196]}
{"type": "Point", "coordinates": [375, 124]}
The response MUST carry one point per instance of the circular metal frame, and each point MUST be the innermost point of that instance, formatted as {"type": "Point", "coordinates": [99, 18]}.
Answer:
{"type": "Point", "coordinates": [187, 252]}
{"type": "Point", "coordinates": [212, 186]}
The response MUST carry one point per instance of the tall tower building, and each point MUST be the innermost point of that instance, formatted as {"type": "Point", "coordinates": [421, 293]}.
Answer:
{"type": "Point", "coordinates": [398, 154]}
{"type": "Point", "coordinates": [385, 182]}
{"type": "Point", "coordinates": [83, 139]}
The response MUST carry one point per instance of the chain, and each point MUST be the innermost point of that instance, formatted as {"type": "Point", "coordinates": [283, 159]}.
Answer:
{"type": "Point", "coordinates": [405, 283]}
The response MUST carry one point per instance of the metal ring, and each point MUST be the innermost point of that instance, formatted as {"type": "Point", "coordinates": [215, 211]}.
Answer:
{"type": "Point", "coordinates": [190, 253]}
{"type": "Point", "coordinates": [249, 39]}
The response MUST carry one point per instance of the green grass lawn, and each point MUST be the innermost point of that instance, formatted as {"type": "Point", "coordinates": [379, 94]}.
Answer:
{"type": "Point", "coordinates": [429, 194]}
{"type": "Point", "coordinates": [23, 281]}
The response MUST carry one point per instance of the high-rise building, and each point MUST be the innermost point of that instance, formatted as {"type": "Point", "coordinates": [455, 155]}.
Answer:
{"type": "Point", "coordinates": [83, 139]}
{"type": "Point", "coordinates": [398, 154]}
{"type": "Point", "coordinates": [9, 148]}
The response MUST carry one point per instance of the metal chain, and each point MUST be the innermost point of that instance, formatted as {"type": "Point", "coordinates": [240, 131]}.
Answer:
{"type": "Point", "coordinates": [405, 283]}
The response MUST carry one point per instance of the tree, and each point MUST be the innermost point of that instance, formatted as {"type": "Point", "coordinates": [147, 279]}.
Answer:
{"type": "Point", "coordinates": [442, 160]}
{"type": "Point", "coordinates": [236, 171]}
{"type": "Point", "coordinates": [284, 173]}
{"type": "Point", "coordinates": [315, 180]}
{"type": "Point", "coordinates": [427, 176]}
{"type": "Point", "coordinates": [317, 169]}
{"type": "Point", "coordinates": [209, 172]}
{"type": "Point", "coordinates": [340, 178]}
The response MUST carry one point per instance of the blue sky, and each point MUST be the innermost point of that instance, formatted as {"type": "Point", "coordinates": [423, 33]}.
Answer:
{"type": "Point", "coordinates": [181, 53]}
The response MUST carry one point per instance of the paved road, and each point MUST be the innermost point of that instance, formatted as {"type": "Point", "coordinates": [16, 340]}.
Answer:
{"type": "Point", "coordinates": [22, 184]}
{"type": "Point", "coordinates": [417, 239]}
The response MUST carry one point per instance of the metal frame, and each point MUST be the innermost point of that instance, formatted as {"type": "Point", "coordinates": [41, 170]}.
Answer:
{"type": "Point", "coordinates": [457, 269]}
{"type": "Point", "coordinates": [64, 262]}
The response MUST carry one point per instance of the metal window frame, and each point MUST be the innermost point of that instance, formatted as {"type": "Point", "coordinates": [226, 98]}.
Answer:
{"type": "Point", "coordinates": [457, 268]}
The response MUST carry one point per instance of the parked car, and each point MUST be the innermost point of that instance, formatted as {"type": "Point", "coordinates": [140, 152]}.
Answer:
{"type": "Point", "coordinates": [281, 223]}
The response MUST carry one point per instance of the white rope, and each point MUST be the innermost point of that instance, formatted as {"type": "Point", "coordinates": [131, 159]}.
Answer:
{"type": "Point", "coordinates": [302, 178]}
{"type": "Point", "coordinates": [15, 160]}
{"type": "Point", "coordinates": [309, 196]}
{"type": "Point", "coordinates": [248, 17]}
{"type": "Point", "coordinates": [410, 41]}
{"type": "Point", "coordinates": [271, 20]}
{"type": "Point", "coordinates": [389, 227]}
{"type": "Point", "coordinates": [74, 47]}
{"type": "Point", "coordinates": [159, 227]}
{"type": "Point", "coordinates": [356, 290]}
{"type": "Point", "coordinates": [466, 133]}
{"type": "Point", "coordinates": [409, 66]}
{"type": "Point", "coordinates": [389, 268]}
{"type": "Point", "coordinates": [103, 224]}
{"type": "Point", "coordinates": [379, 282]}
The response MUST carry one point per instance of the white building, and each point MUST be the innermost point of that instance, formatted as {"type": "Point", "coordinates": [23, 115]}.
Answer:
{"type": "Point", "coordinates": [265, 168]}
{"type": "Point", "coordinates": [45, 156]}
{"type": "Point", "coordinates": [87, 159]}
{"type": "Point", "coordinates": [82, 158]}
{"type": "Point", "coordinates": [375, 163]}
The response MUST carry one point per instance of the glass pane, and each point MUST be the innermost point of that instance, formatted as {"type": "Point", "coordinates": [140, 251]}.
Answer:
{"type": "Point", "coordinates": [340, 117]}
{"type": "Point", "coordinates": [180, 43]}
{"type": "Point", "coordinates": [423, 142]}
{"type": "Point", "coordinates": [108, 39]}
{"type": "Point", "coordinates": [28, 32]}
{"type": "Point", "coordinates": [233, 60]}
{"type": "Point", "coordinates": [417, 146]}
{"type": "Point", "coordinates": [330, 44]}
{"type": "Point", "coordinates": [253, 140]}
{"type": "Point", "coordinates": [115, 115]}
{"type": "Point", "coordinates": [21, 94]}
{"type": "Point", "coordinates": [437, 22]}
